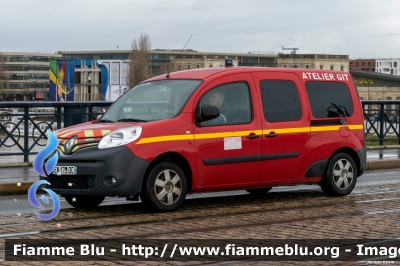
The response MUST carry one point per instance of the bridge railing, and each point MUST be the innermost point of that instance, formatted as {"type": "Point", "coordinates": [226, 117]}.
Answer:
{"type": "Point", "coordinates": [23, 125]}
{"type": "Point", "coordinates": [381, 121]}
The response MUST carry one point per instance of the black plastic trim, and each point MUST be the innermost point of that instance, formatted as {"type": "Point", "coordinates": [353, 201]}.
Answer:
{"type": "Point", "coordinates": [362, 155]}
{"type": "Point", "coordinates": [253, 136]}
{"type": "Point", "coordinates": [280, 156]}
{"type": "Point", "coordinates": [271, 135]}
{"type": "Point", "coordinates": [119, 162]}
{"type": "Point", "coordinates": [328, 122]}
{"type": "Point", "coordinates": [239, 159]}
{"type": "Point", "coordinates": [317, 168]}
{"type": "Point", "coordinates": [250, 158]}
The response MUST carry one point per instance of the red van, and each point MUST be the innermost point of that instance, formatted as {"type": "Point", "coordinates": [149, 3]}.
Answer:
{"type": "Point", "coordinates": [211, 129]}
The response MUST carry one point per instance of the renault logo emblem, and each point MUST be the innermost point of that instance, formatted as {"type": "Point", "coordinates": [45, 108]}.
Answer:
{"type": "Point", "coordinates": [69, 145]}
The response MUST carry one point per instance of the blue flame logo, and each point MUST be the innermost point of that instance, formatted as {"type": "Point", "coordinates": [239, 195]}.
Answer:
{"type": "Point", "coordinates": [45, 162]}
{"type": "Point", "coordinates": [39, 164]}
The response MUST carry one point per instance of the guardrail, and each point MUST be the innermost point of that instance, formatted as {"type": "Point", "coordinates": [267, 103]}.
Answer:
{"type": "Point", "coordinates": [23, 125]}
{"type": "Point", "coordinates": [381, 119]}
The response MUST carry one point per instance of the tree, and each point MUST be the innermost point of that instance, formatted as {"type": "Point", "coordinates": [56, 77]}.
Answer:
{"type": "Point", "coordinates": [139, 67]}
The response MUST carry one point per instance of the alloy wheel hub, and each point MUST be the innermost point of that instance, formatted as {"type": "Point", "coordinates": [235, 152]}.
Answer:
{"type": "Point", "coordinates": [169, 187]}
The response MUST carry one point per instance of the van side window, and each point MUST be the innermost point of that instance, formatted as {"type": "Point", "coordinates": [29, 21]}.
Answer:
{"type": "Point", "coordinates": [233, 101]}
{"type": "Point", "coordinates": [329, 99]}
{"type": "Point", "coordinates": [281, 100]}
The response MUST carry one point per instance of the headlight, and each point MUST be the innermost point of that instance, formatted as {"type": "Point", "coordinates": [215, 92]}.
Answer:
{"type": "Point", "coordinates": [120, 137]}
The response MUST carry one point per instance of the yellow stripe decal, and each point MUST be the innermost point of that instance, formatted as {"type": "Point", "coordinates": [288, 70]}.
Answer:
{"type": "Point", "coordinates": [165, 138]}
{"type": "Point", "coordinates": [103, 132]}
{"type": "Point", "coordinates": [89, 135]}
{"type": "Point", "coordinates": [226, 134]}
{"type": "Point", "coordinates": [68, 134]}
{"type": "Point", "coordinates": [287, 130]}
{"type": "Point", "coordinates": [76, 147]}
{"type": "Point", "coordinates": [356, 127]}
{"type": "Point", "coordinates": [244, 133]}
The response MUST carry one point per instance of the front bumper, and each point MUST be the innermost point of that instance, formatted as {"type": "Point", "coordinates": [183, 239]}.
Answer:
{"type": "Point", "coordinates": [95, 169]}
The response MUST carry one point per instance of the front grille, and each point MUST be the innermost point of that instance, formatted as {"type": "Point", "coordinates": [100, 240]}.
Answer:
{"type": "Point", "coordinates": [77, 181]}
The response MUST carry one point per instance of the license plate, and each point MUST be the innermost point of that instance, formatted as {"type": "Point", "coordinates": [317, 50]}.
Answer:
{"type": "Point", "coordinates": [65, 170]}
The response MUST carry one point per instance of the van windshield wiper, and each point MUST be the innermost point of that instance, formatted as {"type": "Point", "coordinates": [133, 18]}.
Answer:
{"type": "Point", "coordinates": [340, 111]}
{"type": "Point", "coordinates": [131, 120]}
{"type": "Point", "coordinates": [105, 121]}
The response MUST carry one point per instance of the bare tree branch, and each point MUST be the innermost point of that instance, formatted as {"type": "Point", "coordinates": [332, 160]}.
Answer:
{"type": "Point", "coordinates": [139, 68]}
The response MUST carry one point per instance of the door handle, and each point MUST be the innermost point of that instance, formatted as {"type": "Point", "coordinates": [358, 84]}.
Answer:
{"type": "Point", "coordinates": [271, 134]}
{"type": "Point", "coordinates": [252, 136]}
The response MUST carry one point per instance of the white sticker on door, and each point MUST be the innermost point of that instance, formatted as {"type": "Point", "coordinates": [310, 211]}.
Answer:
{"type": "Point", "coordinates": [232, 143]}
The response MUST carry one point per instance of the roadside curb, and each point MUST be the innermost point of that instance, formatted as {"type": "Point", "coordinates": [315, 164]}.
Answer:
{"type": "Point", "coordinates": [3, 165]}
{"type": "Point", "coordinates": [14, 188]}
{"type": "Point", "coordinates": [383, 164]}
{"type": "Point", "coordinates": [383, 147]}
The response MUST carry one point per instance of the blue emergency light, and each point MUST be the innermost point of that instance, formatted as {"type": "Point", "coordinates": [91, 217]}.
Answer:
{"type": "Point", "coordinates": [228, 62]}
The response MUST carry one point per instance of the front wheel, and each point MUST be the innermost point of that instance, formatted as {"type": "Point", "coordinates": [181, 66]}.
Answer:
{"type": "Point", "coordinates": [165, 187]}
{"type": "Point", "coordinates": [341, 175]}
{"type": "Point", "coordinates": [84, 202]}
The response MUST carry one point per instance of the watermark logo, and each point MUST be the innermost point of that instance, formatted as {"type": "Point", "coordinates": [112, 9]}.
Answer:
{"type": "Point", "coordinates": [45, 162]}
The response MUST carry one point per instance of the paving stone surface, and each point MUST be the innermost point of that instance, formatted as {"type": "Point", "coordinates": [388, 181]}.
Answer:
{"type": "Point", "coordinates": [367, 213]}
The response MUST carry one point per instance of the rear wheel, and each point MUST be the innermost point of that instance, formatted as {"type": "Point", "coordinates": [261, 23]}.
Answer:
{"type": "Point", "coordinates": [341, 175]}
{"type": "Point", "coordinates": [84, 202]}
{"type": "Point", "coordinates": [258, 191]}
{"type": "Point", "coordinates": [165, 187]}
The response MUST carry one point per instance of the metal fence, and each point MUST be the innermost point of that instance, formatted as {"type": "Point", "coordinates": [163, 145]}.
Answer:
{"type": "Point", "coordinates": [23, 125]}
{"type": "Point", "coordinates": [381, 121]}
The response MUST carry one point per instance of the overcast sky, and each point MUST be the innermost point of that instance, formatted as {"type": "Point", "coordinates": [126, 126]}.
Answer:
{"type": "Point", "coordinates": [358, 28]}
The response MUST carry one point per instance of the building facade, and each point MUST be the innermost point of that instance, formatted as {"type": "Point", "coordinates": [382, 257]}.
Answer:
{"type": "Point", "coordinates": [26, 76]}
{"type": "Point", "coordinates": [362, 65]}
{"type": "Point", "coordinates": [388, 66]}
{"type": "Point", "coordinates": [87, 80]}
{"type": "Point", "coordinates": [162, 60]}
{"type": "Point", "coordinates": [314, 61]}
{"type": "Point", "coordinates": [102, 75]}
{"type": "Point", "coordinates": [182, 60]}
{"type": "Point", "coordinates": [376, 86]}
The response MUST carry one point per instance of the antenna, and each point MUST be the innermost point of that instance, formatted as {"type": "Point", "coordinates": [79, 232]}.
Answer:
{"type": "Point", "coordinates": [179, 54]}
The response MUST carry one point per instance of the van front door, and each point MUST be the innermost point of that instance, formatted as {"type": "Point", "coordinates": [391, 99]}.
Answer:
{"type": "Point", "coordinates": [286, 126]}
{"type": "Point", "coordinates": [228, 148]}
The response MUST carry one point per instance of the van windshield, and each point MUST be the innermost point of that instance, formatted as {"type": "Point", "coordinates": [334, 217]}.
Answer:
{"type": "Point", "coordinates": [150, 101]}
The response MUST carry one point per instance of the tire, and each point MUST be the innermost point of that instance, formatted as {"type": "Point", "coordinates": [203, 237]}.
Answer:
{"type": "Point", "coordinates": [84, 202]}
{"type": "Point", "coordinates": [165, 188]}
{"type": "Point", "coordinates": [259, 191]}
{"type": "Point", "coordinates": [340, 176]}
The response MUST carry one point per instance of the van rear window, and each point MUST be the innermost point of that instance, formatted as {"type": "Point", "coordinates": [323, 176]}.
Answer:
{"type": "Point", "coordinates": [329, 99]}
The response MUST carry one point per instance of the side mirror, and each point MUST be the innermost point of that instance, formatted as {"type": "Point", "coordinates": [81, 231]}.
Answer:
{"type": "Point", "coordinates": [207, 112]}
